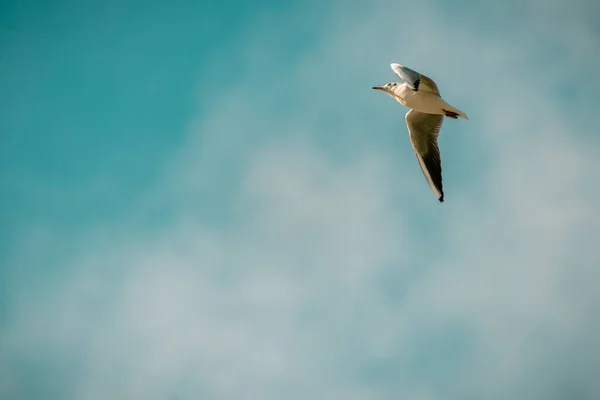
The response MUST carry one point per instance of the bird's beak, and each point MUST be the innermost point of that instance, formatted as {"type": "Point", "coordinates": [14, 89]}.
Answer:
{"type": "Point", "coordinates": [377, 88]}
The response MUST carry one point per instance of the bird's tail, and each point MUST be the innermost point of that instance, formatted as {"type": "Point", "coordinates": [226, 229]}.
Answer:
{"type": "Point", "coordinates": [452, 112]}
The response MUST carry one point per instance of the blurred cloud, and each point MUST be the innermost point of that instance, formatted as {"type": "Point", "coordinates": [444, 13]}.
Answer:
{"type": "Point", "coordinates": [241, 307]}
{"type": "Point", "coordinates": [304, 256]}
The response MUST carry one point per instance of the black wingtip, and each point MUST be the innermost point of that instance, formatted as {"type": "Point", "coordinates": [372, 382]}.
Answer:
{"type": "Point", "coordinates": [441, 199]}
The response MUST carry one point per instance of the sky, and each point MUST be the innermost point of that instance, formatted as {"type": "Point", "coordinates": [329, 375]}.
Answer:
{"type": "Point", "coordinates": [206, 200]}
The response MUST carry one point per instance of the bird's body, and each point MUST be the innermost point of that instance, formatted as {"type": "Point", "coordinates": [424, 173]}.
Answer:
{"type": "Point", "coordinates": [422, 101]}
{"type": "Point", "coordinates": [424, 119]}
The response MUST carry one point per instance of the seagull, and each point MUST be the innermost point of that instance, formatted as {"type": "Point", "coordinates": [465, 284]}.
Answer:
{"type": "Point", "coordinates": [424, 119]}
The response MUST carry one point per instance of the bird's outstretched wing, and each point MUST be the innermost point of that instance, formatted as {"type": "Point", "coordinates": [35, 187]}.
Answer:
{"type": "Point", "coordinates": [423, 130]}
{"type": "Point", "coordinates": [415, 80]}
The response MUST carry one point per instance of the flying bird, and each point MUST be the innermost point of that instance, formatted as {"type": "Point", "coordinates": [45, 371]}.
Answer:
{"type": "Point", "coordinates": [424, 119]}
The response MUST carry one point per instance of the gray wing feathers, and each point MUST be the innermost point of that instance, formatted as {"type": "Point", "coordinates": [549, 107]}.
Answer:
{"type": "Point", "coordinates": [415, 80]}
{"type": "Point", "coordinates": [412, 78]}
{"type": "Point", "coordinates": [423, 131]}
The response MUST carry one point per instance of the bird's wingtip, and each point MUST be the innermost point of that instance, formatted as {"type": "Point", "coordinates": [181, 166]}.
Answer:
{"type": "Point", "coordinates": [441, 198]}
{"type": "Point", "coordinates": [395, 66]}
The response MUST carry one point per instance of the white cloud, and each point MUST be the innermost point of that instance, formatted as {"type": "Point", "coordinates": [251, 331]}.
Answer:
{"type": "Point", "coordinates": [246, 311]}
{"type": "Point", "coordinates": [320, 284]}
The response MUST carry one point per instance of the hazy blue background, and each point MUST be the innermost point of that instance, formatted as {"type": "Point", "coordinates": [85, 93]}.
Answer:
{"type": "Point", "coordinates": [207, 201]}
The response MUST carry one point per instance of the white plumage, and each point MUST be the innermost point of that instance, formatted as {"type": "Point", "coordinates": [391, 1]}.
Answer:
{"type": "Point", "coordinates": [424, 119]}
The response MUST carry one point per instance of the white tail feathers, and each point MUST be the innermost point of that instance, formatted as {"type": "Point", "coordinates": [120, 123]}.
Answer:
{"type": "Point", "coordinates": [454, 113]}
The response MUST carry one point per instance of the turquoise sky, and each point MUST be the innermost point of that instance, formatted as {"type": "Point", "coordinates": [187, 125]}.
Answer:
{"type": "Point", "coordinates": [207, 201]}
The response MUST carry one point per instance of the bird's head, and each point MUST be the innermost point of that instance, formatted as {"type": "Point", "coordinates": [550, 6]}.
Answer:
{"type": "Point", "coordinates": [388, 87]}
